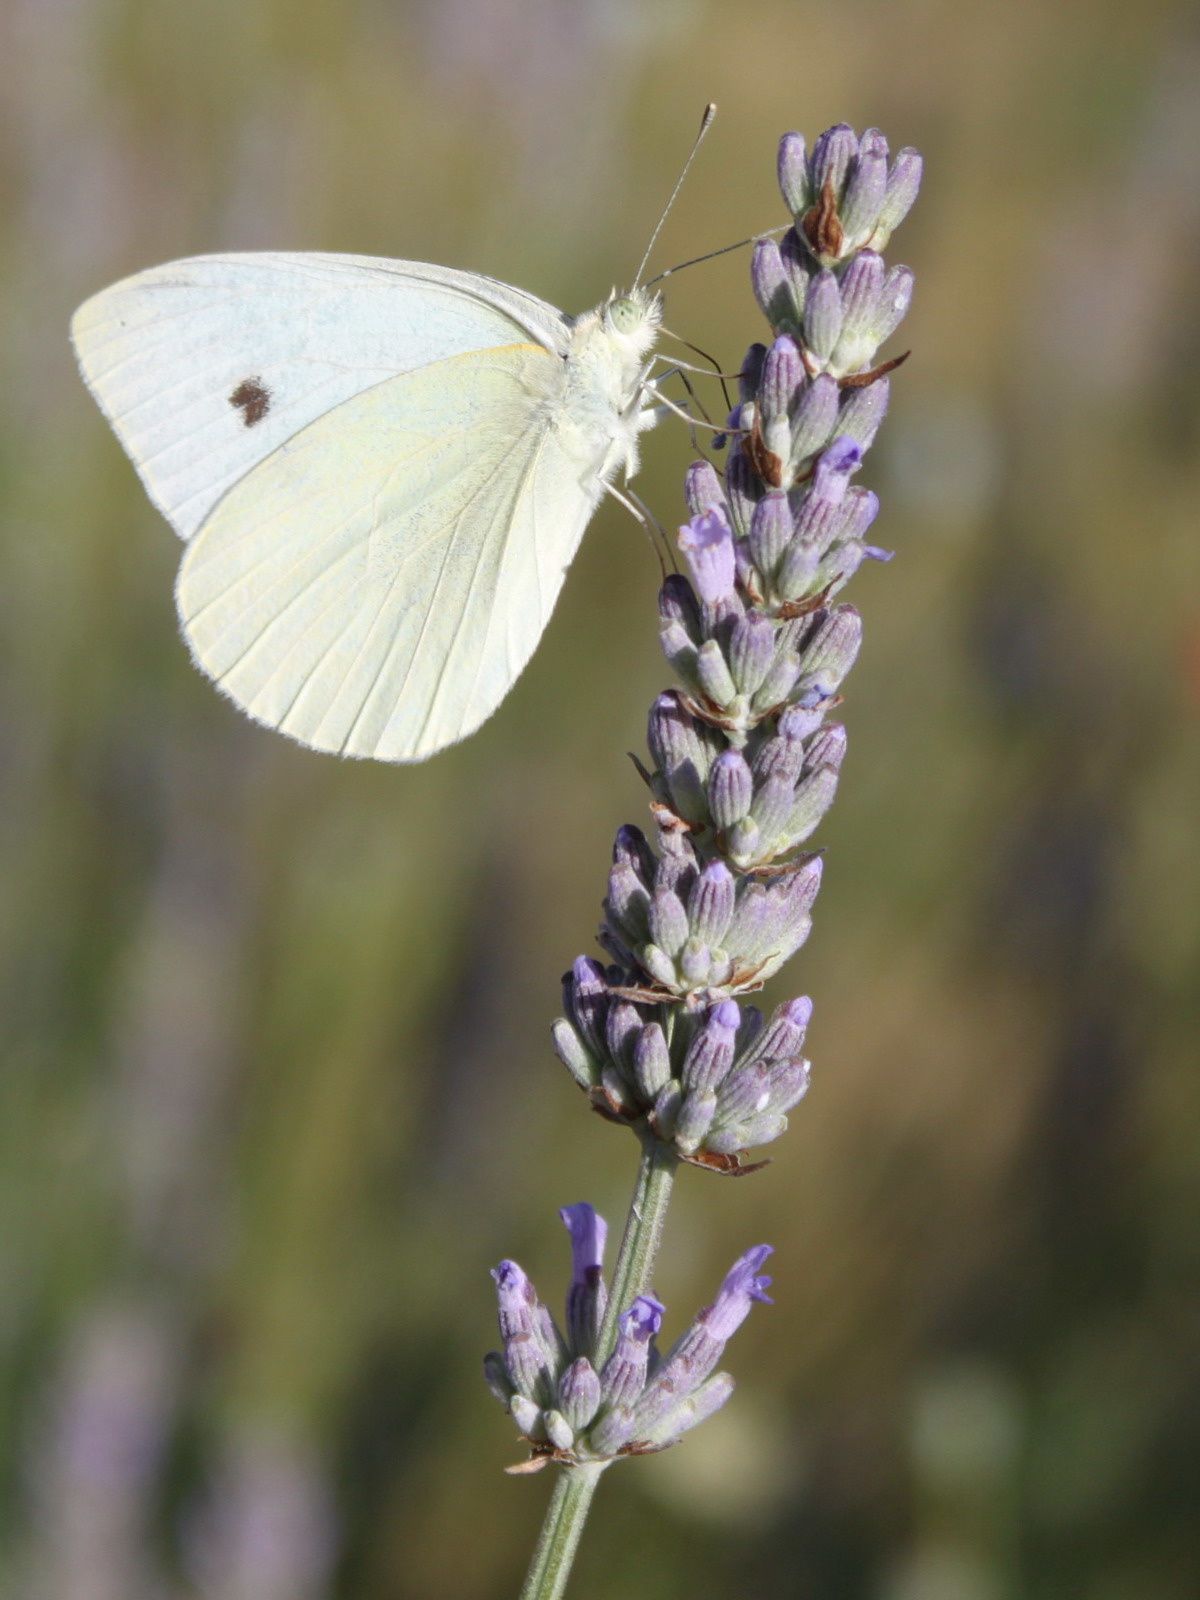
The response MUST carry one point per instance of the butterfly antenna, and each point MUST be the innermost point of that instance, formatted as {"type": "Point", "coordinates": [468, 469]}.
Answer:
{"type": "Point", "coordinates": [713, 254]}
{"type": "Point", "coordinates": [706, 122]}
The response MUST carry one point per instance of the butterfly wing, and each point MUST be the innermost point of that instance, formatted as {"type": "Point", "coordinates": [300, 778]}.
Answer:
{"type": "Point", "coordinates": [375, 586]}
{"type": "Point", "coordinates": [205, 367]}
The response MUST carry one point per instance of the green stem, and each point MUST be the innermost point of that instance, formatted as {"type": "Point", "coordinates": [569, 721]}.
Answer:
{"type": "Point", "coordinates": [572, 1497]}
{"type": "Point", "coordinates": [641, 1239]}
{"type": "Point", "coordinates": [559, 1538]}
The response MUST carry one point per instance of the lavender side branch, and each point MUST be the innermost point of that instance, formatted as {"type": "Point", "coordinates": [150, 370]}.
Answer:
{"type": "Point", "coordinates": [745, 761]}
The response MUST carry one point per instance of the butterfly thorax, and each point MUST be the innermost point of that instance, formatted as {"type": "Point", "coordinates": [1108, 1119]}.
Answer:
{"type": "Point", "coordinates": [605, 379]}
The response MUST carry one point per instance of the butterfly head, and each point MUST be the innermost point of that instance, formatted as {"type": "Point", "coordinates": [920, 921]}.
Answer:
{"type": "Point", "coordinates": [634, 318]}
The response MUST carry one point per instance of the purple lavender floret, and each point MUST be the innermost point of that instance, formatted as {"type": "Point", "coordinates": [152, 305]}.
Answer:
{"type": "Point", "coordinates": [586, 1298]}
{"type": "Point", "coordinates": [638, 1401]}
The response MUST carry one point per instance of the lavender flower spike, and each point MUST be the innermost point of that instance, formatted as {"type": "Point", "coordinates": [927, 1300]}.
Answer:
{"type": "Point", "coordinates": [569, 1412]}
{"type": "Point", "coordinates": [715, 892]}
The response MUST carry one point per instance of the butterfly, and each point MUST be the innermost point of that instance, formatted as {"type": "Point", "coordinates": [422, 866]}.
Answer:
{"type": "Point", "coordinates": [380, 470]}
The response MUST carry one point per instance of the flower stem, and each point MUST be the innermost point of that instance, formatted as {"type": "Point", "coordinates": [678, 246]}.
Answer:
{"type": "Point", "coordinates": [572, 1497]}
{"type": "Point", "coordinates": [641, 1239]}
{"type": "Point", "coordinates": [559, 1538]}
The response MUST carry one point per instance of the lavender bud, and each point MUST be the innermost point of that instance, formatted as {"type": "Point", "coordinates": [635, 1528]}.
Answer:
{"type": "Point", "coordinates": [862, 413]}
{"type": "Point", "coordinates": [621, 1030]}
{"type": "Point", "coordinates": [742, 489]}
{"type": "Point", "coordinates": [783, 1037]}
{"type": "Point", "coordinates": [758, 1130]}
{"type": "Point", "coordinates": [903, 182]}
{"type": "Point", "coordinates": [574, 1054]}
{"type": "Point", "coordinates": [579, 1394]}
{"type": "Point", "coordinates": [777, 684]}
{"type": "Point", "coordinates": [585, 993]}
{"type": "Point", "coordinates": [690, 1412]}
{"type": "Point", "coordinates": [892, 303]}
{"type": "Point", "coordinates": [558, 1430]}
{"type": "Point", "coordinates": [794, 894]}
{"type": "Point", "coordinates": [658, 964]}
{"type": "Point", "coordinates": [710, 904]}
{"type": "Point", "coordinates": [495, 1375]}
{"type": "Point", "coordinates": [815, 418]}
{"type": "Point", "coordinates": [627, 902]}
{"type": "Point", "coordinates": [796, 265]}
{"type": "Point", "coordinates": [799, 722]}
{"type": "Point", "coordinates": [528, 1417]}
{"type": "Point", "coordinates": [707, 545]}
{"type": "Point", "coordinates": [797, 574]}
{"type": "Point", "coordinates": [812, 800]}
{"type": "Point", "coordinates": [858, 340]}
{"type": "Point", "coordinates": [694, 1120]}
{"type": "Point", "coordinates": [612, 1432]}
{"type": "Point", "coordinates": [789, 1084]}
{"type": "Point", "coordinates": [774, 802]}
{"type": "Point", "coordinates": [632, 845]}
{"type": "Point", "coordinates": [769, 280]}
{"type": "Point", "coordinates": [616, 1089]}
{"type": "Point", "coordinates": [827, 749]}
{"type": "Point", "coordinates": [682, 754]}
{"type": "Point", "coordinates": [624, 1372]}
{"type": "Point", "coordinates": [822, 315]}
{"type": "Point", "coordinates": [751, 650]}
{"type": "Point", "coordinates": [770, 530]}
{"type": "Point", "coordinates": [525, 1356]}
{"type": "Point", "coordinates": [792, 167]}
{"type": "Point", "coordinates": [702, 489]}
{"type": "Point", "coordinates": [680, 652]}
{"type": "Point", "coordinates": [744, 1093]}
{"type": "Point", "coordinates": [666, 1109]}
{"type": "Point", "coordinates": [744, 842]}
{"type": "Point", "coordinates": [832, 154]}
{"type": "Point", "coordinates": [832, 649]}
{"type": "Point", "coordinates": [710, 1054]}
{"type": "Point", "coordinates": [730, 789]}
{"type": "Point", "coordinates": [780, 757]}
{"type": "Point", "coordinates": [863, 199]}
{"type": "Point", "coordinates": [859, 510]}
{"type": "Point", "coordinates": [783, 377]}
{"type": "Point", "coordinates": [651, 1062]}
{"type": "Point", "coordinates": [750, 374]}
{"type": "Point", "coordinates": [677, 603]}
{"type": "Point", "coordinates": [668, 921]}
{"type": "Point", "coordinates": [713, 675]}
{"type": "Point", "coordinates": [695, 964]}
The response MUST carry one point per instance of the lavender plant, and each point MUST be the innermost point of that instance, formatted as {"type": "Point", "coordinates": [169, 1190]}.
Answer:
{"type": "Point", "coordinates": [701, 911]}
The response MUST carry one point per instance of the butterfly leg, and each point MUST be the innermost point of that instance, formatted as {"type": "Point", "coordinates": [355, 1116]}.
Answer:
{"type": "Point", "coordinates": [652, 527]}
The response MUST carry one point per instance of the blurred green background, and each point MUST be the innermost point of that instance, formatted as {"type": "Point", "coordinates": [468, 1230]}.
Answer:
{"type": "Point", "coordinates": [278, 1088]}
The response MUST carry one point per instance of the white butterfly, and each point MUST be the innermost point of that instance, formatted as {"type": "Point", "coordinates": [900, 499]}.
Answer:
{"type": "Point", "coordinates": [381, 471]}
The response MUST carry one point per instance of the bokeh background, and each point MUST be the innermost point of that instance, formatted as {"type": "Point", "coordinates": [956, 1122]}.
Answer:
{"type": "Point", "coordinates": [278, 1088]}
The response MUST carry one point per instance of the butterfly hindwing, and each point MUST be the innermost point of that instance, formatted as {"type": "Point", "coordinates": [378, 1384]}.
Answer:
{"type": "Point", "coordinates": [376, 584]}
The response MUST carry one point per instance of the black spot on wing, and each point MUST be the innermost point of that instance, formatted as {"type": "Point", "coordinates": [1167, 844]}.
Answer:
{"type": "Point", "coordinates": [253, 399]}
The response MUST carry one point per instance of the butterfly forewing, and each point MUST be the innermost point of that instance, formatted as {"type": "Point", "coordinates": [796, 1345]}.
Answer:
{"type": "Point", "coordinates": [206, 366]}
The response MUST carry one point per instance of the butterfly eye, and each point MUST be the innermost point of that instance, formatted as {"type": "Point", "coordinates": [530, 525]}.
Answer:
{"type": "Point", "coordinates": [626, 315]}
